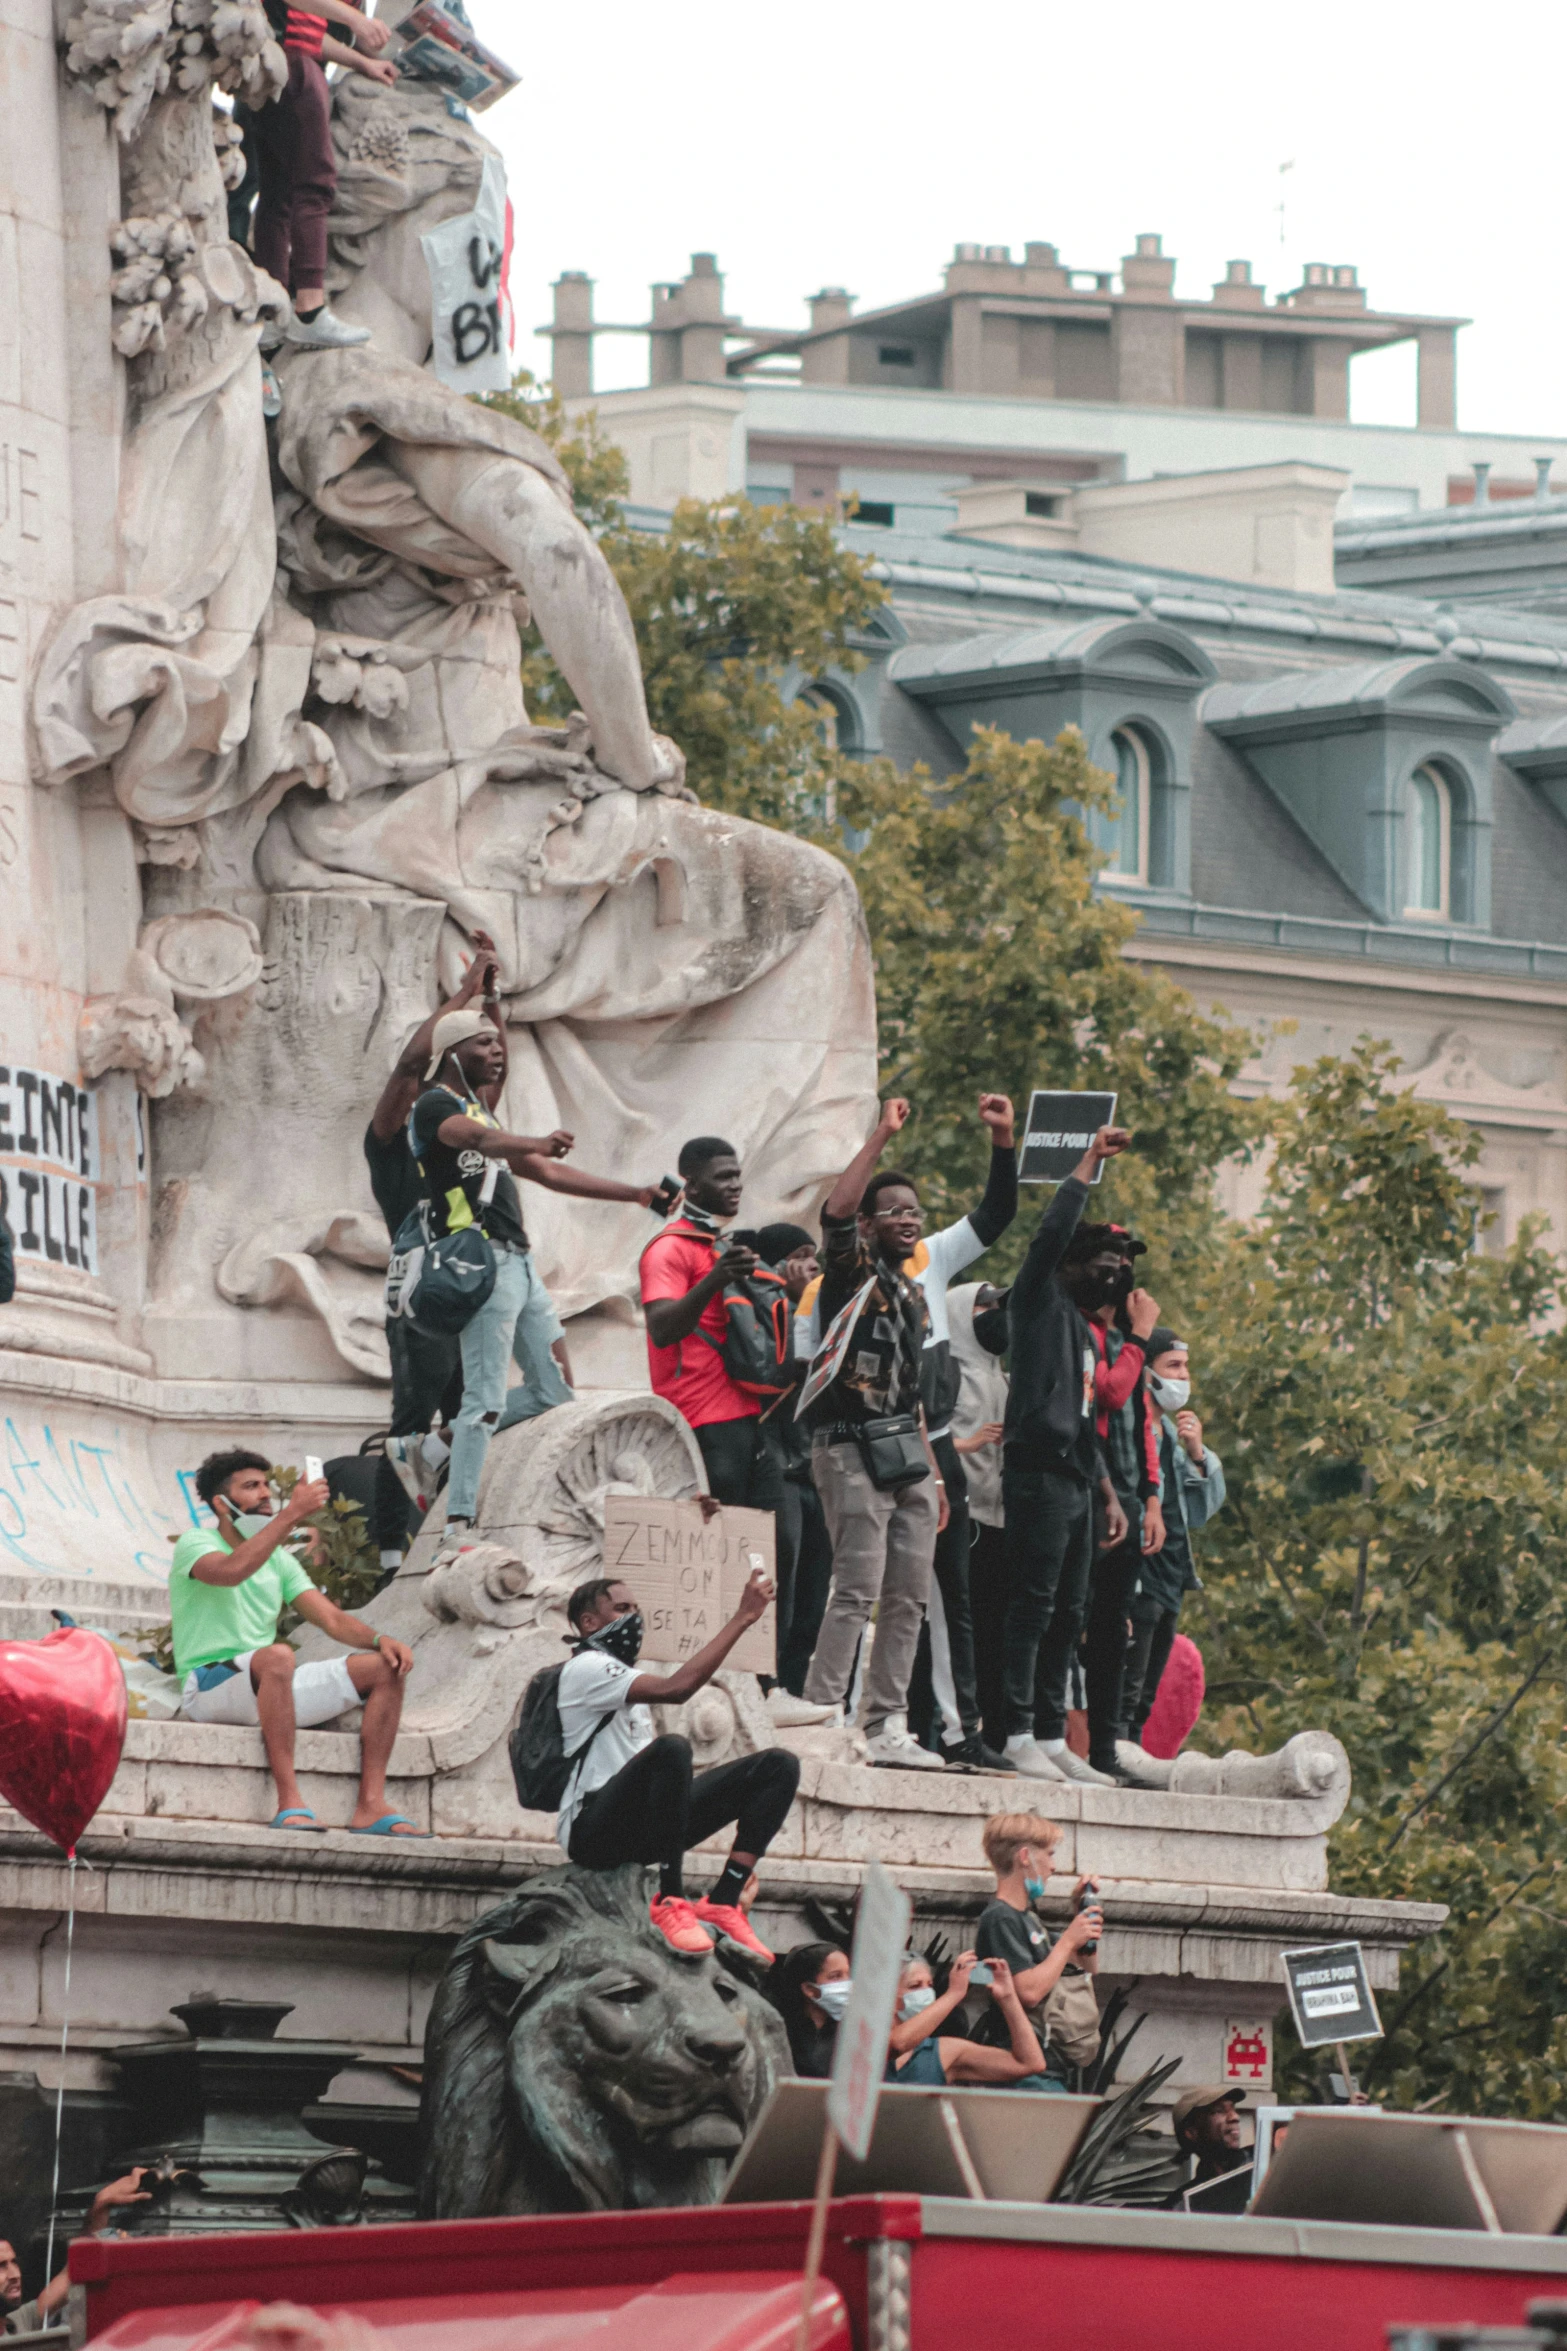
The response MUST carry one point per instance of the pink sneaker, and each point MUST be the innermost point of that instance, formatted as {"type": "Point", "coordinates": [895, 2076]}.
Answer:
{"type": "Point", "coordinates": [730, 1920]}
{"type": "Point", "coordinates": [676, 1921]}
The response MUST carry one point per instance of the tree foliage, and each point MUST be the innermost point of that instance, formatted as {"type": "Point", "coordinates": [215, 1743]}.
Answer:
{"type": "Point", "coordinates": [1386, 1397]}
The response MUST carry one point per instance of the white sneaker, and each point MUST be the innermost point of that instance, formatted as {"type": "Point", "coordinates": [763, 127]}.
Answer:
{"type": "Point", "coordinates": [1072, 1767]}
{"type": "Point", "coordinates": [458, 1538]}
{"type": "Point", "coordinates": [1029, 1759]}
{"type": "Point", "coordinates": [893, 1747]}
{"type": "Point", "coordinates": [324, 331]}
{"type": "Point", "coordinates": [399, 1453]}
{"type": "Point", "coordinates": [789, 1713]}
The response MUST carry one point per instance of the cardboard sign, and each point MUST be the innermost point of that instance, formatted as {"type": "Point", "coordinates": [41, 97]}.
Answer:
{"type": "Point", "coordinates": [881, 1933]}
{"type": "Point", "coordinates": [1059, 1129]}
{"type": "Point", "coordinates": [1330, 1995]}
{"type": "Point", "coordinates": [48, 1166]}
{"type": "Point", "coordinates": [687, 1573]}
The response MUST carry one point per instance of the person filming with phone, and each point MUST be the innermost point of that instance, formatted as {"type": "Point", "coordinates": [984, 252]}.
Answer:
{"type": "Point", "coordinates": [228, 1588]}
{"type": "Point", "coordinates": [1052, 1977]}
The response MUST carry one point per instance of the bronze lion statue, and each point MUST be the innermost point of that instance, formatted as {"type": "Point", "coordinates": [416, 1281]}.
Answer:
{"type": "Point", "coordinates": [574, 2062]}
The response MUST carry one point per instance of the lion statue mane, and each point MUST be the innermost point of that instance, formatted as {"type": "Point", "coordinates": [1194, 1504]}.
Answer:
{"type": "Point", "coordinates": [574, 2062]}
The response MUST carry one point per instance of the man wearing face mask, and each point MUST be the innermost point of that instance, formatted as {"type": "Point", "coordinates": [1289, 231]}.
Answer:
{"type": "Point", "coordinates": [1052, 1467]}
{"type": "Point", "coordinates": [1192, 1477]}
{"type": "Point", "coordinates": [1120, 1318]}
{"type": "Point", "coordinates": [635, 1797]}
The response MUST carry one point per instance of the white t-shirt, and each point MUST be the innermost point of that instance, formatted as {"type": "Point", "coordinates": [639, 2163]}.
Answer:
{"type": "Point", "coordinates": [590, 1687]}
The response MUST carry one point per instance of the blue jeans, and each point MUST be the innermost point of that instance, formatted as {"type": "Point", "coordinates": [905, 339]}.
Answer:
{"type": "Point", "coordinates": [518, 1318]}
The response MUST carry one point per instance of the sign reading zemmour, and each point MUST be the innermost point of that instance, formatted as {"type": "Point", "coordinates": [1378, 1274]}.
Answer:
{"type": "Point", "coordinates": [881, 1934]}
{"type": "Point", "coordinates": [48, 1165]}
{"type": "Point", "coordinates": [1330, 1995]}
{"type": "Point", "coordinates": [687, 1572]}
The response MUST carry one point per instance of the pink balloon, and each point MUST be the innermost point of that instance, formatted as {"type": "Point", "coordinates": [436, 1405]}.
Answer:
{"type": "Point", "coordinates": [62, 1727]}
{"type": "Point", "coordinates": [1178, 1701]}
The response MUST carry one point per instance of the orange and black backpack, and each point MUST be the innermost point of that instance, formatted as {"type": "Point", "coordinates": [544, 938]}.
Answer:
{"type": "Point", "coordinates": [757, 1346]}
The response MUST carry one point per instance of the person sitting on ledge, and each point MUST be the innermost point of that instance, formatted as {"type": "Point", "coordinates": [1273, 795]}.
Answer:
{"type": "Point", "coordinates": [634, 1797]}
{"type": "Point", "coordinates": [228, 1586]}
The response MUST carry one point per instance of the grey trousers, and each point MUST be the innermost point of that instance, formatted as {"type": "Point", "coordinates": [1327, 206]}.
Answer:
{"type": "Point", "coordinates": [882, 1549]}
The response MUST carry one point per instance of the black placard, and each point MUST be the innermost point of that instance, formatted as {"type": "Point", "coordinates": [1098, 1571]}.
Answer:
{"type": "Point", "coordinates": [1330, 1995]}
{"type": "Point", "coordinates": [1059, 1130]}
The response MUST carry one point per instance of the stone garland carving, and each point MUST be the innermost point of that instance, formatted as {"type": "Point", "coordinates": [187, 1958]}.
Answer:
{"type": "Point", "coordinates": [127, 52]}
{"type": "Point", "coordinates": [574, 2062]}
{"type": "Point", "coordinates": [207, 958]}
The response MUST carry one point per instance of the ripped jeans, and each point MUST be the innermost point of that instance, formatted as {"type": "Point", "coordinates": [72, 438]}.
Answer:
{"type": "Point", "coordinates": [518, 1317]}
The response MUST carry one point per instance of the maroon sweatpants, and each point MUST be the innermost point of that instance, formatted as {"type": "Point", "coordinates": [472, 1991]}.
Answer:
{"type": "Point", "coordinates": [298, 177]}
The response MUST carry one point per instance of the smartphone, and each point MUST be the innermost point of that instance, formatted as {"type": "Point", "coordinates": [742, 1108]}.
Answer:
{"type": "Point", "coordinates": [667, 1193]}
{"type": "Point", "coordinates": [314, 1473]}
{"type": "Point", "coordinates": [980, 1974]}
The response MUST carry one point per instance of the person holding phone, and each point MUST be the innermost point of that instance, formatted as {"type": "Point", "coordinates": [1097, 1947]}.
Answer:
{"type": "Point", "coordinates": [1018, 1847]}
{"type": "Point", "coordinates": [228, 1587]}
{"type": "Point", "coordinates": [921, 2055]}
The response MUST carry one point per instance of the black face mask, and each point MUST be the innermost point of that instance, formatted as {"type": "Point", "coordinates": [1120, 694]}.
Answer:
{"type": "Point", "coordinates": [1092, 1290]}
{"type": "Point", "coordinates": [621, 1637]}
{"type": "Point", "coordinates": [990, 1329]}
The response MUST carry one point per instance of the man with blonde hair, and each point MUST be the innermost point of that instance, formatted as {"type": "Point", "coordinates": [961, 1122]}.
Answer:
{"type": "Point", "coordinates": [1018, 1847]}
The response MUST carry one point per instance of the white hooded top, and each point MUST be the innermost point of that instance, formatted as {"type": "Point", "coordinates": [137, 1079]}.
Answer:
{"type": "Point", "coordinates": [982, 1398]}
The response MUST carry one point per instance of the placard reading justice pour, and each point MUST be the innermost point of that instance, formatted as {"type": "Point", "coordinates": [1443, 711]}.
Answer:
{"type": "Point", "coordinates": [687, 1573]}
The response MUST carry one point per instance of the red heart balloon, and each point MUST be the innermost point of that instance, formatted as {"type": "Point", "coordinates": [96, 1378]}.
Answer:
{"type": "Point", "coordinates": [62, 1726]}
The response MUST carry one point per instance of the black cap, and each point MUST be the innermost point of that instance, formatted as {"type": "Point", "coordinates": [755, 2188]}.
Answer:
{"type": "Point", "coordinates": [1158, 1340]}
{"type": "Point", "coordinates": [775, 1242]}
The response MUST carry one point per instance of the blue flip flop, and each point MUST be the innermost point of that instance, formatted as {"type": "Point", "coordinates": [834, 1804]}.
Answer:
{"type": "Point", "coordinates": [387, 1823]}
{"type": "Point", "coordinates": [297, 1812]}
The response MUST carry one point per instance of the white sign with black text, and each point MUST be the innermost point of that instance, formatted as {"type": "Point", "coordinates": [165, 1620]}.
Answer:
{"type": "Point", "coordinates": [48, 1166]}
{"type": "Point", "coordinates": [467, 260]}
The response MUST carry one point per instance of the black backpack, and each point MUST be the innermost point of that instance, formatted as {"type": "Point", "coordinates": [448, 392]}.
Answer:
{"type": "Point", "coordinates": [757, 1347]}
{"type": "Point", "coordinates": [539, 1763]}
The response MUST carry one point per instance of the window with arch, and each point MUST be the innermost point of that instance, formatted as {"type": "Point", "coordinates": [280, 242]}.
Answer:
{"type": "Point", "coordinates": [1429, 831]}
{"type": "Point", "coordinates": [1132, 831]}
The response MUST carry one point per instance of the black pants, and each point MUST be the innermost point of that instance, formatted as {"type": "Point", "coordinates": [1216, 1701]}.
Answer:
{"type": "Point", "coordinates": [988, 1593]}
{"type": "Point", "coordinates": [950, 1593]}
{"type": "Point", "coordinates": [1104, 1646]}
{"type": "Point", "coordinates": [656, 1808]}
{"type": "Point", "coordinates": [426, 1377]}
{"type": "Point", "coordinates": [1147, 1655]}
{"type": "Point", "coordinates": [803, 1526]}
{"type": "Point", "coordinates": [1050, 1547]}
{"type": "Point", "coordinates": [744, 1464]}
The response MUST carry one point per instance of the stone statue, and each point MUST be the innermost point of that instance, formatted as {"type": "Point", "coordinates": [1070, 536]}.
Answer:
{"type": "Point", "coordinates": [309, 707]}
{"type": "Point", "coordinates": [573, 2061]}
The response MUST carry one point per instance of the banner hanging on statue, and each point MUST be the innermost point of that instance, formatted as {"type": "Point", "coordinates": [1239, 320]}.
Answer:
{"type": "Point", "coordinates": [467, 260]}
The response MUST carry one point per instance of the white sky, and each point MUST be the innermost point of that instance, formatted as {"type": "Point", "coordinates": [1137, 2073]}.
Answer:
{"type": "Point", "coordinates": [844, 143]}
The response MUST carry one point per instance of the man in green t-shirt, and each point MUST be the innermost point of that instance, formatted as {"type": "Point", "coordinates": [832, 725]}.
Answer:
{"type": "Point", "coordinates": [228, 1587]}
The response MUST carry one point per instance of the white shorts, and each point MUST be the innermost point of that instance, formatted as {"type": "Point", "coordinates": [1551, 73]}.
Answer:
{"type": "Point", "coordinates": [323, 1689]}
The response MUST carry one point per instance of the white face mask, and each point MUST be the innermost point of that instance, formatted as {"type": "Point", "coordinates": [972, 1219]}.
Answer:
{"type": "Point", "coordinates": [834, 1998]}
{"type": "Point", "coordinates": [916, 2002]}
{"type": "Point", "coordinates": [1171, 1395]}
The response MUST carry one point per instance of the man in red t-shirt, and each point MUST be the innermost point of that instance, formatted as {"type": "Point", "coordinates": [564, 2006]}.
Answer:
{"type": "Point", "coordinates": [683, 1275]}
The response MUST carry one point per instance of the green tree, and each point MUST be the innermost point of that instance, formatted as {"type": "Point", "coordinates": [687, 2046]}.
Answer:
{"type": "Point", "coordinates": [1389, 1567]}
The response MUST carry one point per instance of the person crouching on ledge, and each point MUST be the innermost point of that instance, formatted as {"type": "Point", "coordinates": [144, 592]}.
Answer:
{"type": "Point", "coordinates": [634, 1797]}
{"type": "Point", "coordinates": [228, 1587]}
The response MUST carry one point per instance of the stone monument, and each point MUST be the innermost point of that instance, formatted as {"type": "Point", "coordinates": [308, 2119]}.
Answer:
{"type": "Point", "coordinates": [264, 769]}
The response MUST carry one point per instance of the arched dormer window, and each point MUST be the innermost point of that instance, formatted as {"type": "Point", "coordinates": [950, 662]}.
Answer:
{"type": "Point", "coordinates": [1428, 887]}
{"type": "Point", "coordinates": [1131, 840]}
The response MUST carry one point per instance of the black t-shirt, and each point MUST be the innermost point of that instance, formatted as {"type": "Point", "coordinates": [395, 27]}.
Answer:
{"type": "Point", "coordinates": [1017, 1937]}
{"type": "Point", "coordinates": [452, 1180]}
{"type": "Point", "coordinates": [394, 1178]}
{"type": "Point", "coordinates": [812, 2046]}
